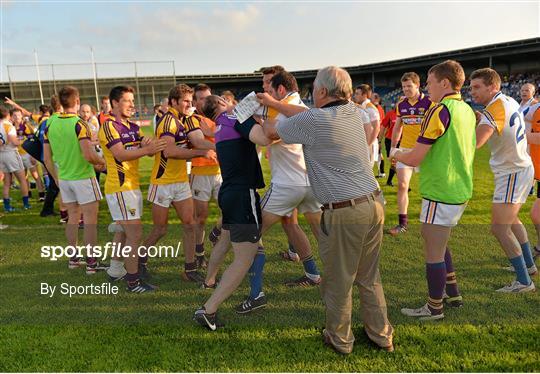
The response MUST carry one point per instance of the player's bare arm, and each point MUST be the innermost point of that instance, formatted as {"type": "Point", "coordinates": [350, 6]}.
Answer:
{"type": "Point", "coordinates": [257, 136]}
{"type": "Point", "coordinates": [483, 133]}
{"type": "Point", "coordinates": [414, 157]}
{"type": "Point", "coordinates": [172, 151]}
{"type": "Point", "coordinates": [48, 160]}
{"type": "Point", "coordinates": [196, 138]}
{"type": "Point", "coordinates": [396, 132]}
{"type": "Point", "coordinates": [148, 147]}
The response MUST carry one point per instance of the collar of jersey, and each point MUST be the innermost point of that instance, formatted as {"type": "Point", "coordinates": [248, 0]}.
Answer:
{"type": "Point", "coordinates": [420, 97]}
{"type": "Point", "coordinates": [122, 122]}
{"type": "Point", "coordinates": [495, 97]}
{"type": "Point", "coordinates": [453, 96]}
{"type": "Point", "coordinates": [174, 112]}
{"type": "Point", "coordinates": [67, 115]}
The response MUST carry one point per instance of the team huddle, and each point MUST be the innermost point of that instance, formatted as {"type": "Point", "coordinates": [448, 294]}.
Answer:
{"type": "Point", "coordinates": [435, 134]}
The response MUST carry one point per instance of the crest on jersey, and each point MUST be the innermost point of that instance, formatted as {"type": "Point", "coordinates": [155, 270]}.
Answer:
{"type": "Point", "coordinates": [132, 211]}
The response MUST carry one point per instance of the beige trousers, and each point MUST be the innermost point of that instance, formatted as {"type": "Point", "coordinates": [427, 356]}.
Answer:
{"type": "Point", "coordinates": [349, 248]}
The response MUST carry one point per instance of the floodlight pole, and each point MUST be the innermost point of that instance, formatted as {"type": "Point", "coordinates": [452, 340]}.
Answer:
{"type": "Point", "coordinates": [53, 79]}
{"type": "Point", "coordinates": [138, 91]}
{"type": "Point", "coordinates": [174, 73]}
{"type": "Point", "coordinates": [95, 77]}
{"type": "Point", "coordinates": [11, 90]}
{"type": "Point", "coordinates": [38, 77]}
{"type": "Point", "coordinates": [153, 95]}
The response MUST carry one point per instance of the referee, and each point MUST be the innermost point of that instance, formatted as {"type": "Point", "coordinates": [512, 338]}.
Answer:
{"type": "Point", "coordinates": [337, 158]}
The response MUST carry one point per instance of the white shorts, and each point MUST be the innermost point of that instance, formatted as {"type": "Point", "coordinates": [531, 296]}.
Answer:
{"type": "Point", "coordinates": [281, 200]}
{"type": "Point", "coordinates": [436, 213]}
{"type": "Point", "coordinates": [164, 194]}
{"type": "Point", "coordinates": [28, 161]}
{"type": "Point", "coordinates": [81, 191]}
{"type": "Point", "coordinates": [513, 188]}
{"type": "Point", "coordinates": [400, 165]}
{"type": "Point", "coordinates": [11, 162]}
{"type": "Point", "coordinates": [204, 187]}
{"type": "Point", "coordinates": [125, 206]}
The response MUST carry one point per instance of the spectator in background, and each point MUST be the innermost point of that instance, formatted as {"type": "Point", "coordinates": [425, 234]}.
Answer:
{"type": "Point", "coordinates": [162, 109]}
{"type": "Point", "coordinates": [528, 100]}
{"type": "Point", "coordinates": [105, 112]}
{"type": "Point", "coordinates": [376, 100]}
{"type": "Point", "coordinates": [85, 112]}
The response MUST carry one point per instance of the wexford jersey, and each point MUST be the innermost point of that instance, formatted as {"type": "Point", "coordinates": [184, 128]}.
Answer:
{"type": "Point", "coordinates": [170, 170]}
{"type": "Point", "coordinates": [411, 115]}
{"type": "Point", "coordinates": [287, 160]}
{"type": "Point", "coordinates": [24, 131]}
{"type": "Point", "coordinates": [121, 175]}
{"type": "Point", "coordinates": [508, 143]}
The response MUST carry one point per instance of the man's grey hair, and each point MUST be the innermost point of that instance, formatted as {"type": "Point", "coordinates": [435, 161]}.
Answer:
{"type": "Point", "coordinates": [336, 80]}
{"type": "Point", "coordinates": [531, 86]}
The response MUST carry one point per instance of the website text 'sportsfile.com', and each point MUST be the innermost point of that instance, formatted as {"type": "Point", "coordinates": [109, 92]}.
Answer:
{"type": "Point", "coordinates": [109, 250]}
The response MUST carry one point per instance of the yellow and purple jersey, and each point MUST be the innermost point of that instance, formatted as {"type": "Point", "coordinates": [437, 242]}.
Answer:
{"type": "Point", "coordinates": [170, 170]}
{"type": "Point", "coordinates": [121, 175]}
{"type": "Point", "coordinates": [411, 115]}
{"type": "Point", "coordinates": [24, 131]}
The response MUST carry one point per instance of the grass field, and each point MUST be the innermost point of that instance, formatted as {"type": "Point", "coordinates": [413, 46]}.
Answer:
{"type": "Point", "coordinates": [154, 332]}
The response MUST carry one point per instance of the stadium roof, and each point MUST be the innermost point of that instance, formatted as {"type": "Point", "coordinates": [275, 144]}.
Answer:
{"type": "Point", "coordinates": [504, 51]}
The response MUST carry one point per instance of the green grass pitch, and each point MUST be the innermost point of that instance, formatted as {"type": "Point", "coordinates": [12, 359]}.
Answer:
{"type": "Point", "coordinates": [155, 332]}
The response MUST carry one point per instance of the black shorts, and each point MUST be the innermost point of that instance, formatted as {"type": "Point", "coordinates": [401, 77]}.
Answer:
{"type": "Point", "coordinates": [241, 210]}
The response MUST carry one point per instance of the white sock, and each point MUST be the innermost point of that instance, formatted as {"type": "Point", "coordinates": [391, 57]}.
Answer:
{"type": "Point", "coordinates": [313, 277]}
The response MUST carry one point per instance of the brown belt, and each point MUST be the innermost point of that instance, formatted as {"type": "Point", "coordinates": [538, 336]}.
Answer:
{"type": "Point", "coordinates": [352, 202]}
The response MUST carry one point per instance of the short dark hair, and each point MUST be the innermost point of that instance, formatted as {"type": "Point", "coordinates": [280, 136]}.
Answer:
{"type": "Point", "coordinates": [488, 76]}
{"type": "Point", "coordinates": [210, 106]}
{"type": "Point", "coordinates": [44, 109]}
{"type": "Point", "coordinates": [273, 69]}
{"type": "Point", "coordinates": [200, 87]}
{"type": "Point", "coordinates": [285, 79]}
{"type": "Point", "coordinates": [4, 112]}
{"type": "Point", "coordinates": [68, 96]}
{"type": "Point", "coordinates": [119, 91]}
{"type": "Point", "coordinates": [55, 103]}
{"type": "Point", "coordinates": [178, 92]}
{"type": "Point", "coordinates": [451, 70]}
{"type": "Point", "coordinates": [366, 89]}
